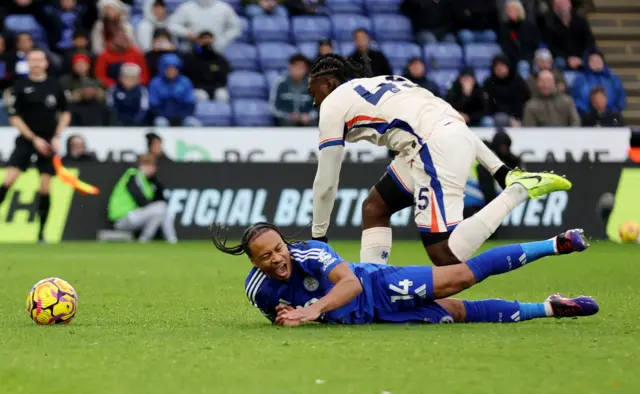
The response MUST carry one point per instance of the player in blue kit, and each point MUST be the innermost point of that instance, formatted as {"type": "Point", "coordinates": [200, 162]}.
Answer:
{"type": "Point", "coordinates": [297, 282]}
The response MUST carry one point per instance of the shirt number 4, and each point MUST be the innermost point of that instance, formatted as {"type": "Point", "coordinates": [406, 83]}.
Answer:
{"type": "Point", "coordinates": [375, 96]}
{"type": "Point", "coordinates": [402, 291]}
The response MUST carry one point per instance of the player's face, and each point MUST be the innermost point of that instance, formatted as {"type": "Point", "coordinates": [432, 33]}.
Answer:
{"type": "Point", "coordinates": [37, 62]}
{"type": "Point", "coordinates": [270, 254]}
{"type": "Point", "coordinates": [319, 89]}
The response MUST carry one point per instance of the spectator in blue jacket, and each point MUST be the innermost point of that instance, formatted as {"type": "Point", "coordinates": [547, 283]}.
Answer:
{"type": "Point", "coordinates": [128, 98]}
{"type": "Point", "coordinates": [171, 95]}
{"type": "Point", "coordinates": [597, 74]}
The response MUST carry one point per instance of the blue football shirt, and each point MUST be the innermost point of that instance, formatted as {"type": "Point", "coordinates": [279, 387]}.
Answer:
{"type": "Point", "coordinates": [312, 262]}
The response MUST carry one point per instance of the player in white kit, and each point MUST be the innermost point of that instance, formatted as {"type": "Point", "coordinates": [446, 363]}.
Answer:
{"type": "Point", "coordinates": [435, 149]}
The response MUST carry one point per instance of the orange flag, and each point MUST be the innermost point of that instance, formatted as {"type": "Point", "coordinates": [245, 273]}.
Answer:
{"type": "Point", "coordinates": [67, 177]}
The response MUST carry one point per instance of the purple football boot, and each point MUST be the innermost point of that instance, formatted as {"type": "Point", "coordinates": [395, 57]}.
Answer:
{"type": "Point", "coordinates": [572, 307]}
{"type": "Point", "coordinates": [571, 241]}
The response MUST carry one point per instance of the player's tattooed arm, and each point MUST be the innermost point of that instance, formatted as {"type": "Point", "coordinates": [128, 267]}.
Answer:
{"type": "Point", "coordinates": [325, 187]}
{"type": "Point", "coordinates": [346, 287]}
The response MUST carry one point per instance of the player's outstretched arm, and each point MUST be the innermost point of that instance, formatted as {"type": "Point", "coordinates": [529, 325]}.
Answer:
{"type": "Point", "coordinates": [346, 287]}
{"type": "Point", "coordinates": [325, 187]}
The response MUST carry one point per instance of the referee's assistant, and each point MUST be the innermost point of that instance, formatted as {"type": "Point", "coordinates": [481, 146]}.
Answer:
{"type": "Point", "coordinates": [39, 111]}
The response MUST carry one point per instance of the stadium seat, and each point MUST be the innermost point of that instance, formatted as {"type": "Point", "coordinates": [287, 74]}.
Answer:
{"type": "Point", "coordinates": [272, 76]}
{"type": "Point", "coordinates": [308, 49]}
{"type": "Point", "coordinates": [382, 6]}
{"type": "Point", "coordinates": [391, 27]}
{"type": "Point", "coordinates": [213, 113]}
{"type": "Point", "coordinates": [481, 55]}
{"type": "Point", "coordinates": [310, 28]}
{"type": "Point", "coordinates": [25, 24]}
{"type": "Point", "coordinates": [346, 48]}
{"type": "Point", "coordinates": [172, 4]}
{"type": "Point", "coordinates": [270, 28]}
{"type": "Point", "coordinates": [247, 84]}
{"type": "Point", "coordinates": [444, 79]}
{"type": "Point", "coordinates": [399, 53]}
{"type": "Point", "coordinates": [275, 55]}
{"type": "Point", "coordinates": [245, 35]}
{"type": "Point", "coordinates": [570, 77]}
{"type": "Point", "coordinates": [482, 75]}
{"type": "Point", "coordinates": [252, 113]}
{"type": "Point", "coordinates": [344, 25]}
{"type": "Point", "coordinates": [443, 56]}
{"type": "Point", "coordinates": [135, 20]}
{"type": "Point", "coordinates": [253, 10]}
{"type": "Point", "coordinates": [242, 56]}
{"type": "Point", "coordinates": [345, 6]}
{"type": "Point", "coordinates": [235, 4]}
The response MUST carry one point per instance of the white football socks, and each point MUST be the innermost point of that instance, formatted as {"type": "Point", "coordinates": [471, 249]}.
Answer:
{"type": "Point", "coordinates": [375, 245]}
{"type": "Point", "coordinates": [472, 232]}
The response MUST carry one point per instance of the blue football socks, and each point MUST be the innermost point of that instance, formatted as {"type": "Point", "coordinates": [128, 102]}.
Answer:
{"type": "Point", "coordinates": [503, 259]}
{"type": "Point", "coordinates": [501, 311]}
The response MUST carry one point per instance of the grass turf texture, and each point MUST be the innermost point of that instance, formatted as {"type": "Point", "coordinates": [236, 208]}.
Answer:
{"type": "Point", "coordinates": [174, 319]}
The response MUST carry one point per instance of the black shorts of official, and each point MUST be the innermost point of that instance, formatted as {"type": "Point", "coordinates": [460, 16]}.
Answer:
{"type": "Point", "coordinates": [397, 198]}
{"type": "Point", "coordinates": [21, 157]}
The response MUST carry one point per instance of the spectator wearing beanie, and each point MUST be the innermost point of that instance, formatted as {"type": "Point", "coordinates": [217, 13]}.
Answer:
{"type": "Point", "coordinates": [507, 93]}
{"type": "Point", "coordinates": [80, 72]}
{"type": "Point", "coordinates": [119, 51]}
{"type": "Point", "coordinates": [129, 99]}
{"type": "Point", "coordinates": [80, 45]}
{"type": "Point", "coordinates": [543, 60]}
{"type": "Point", "coordinates": [207, 69]}
{"type": "Point", "coordinates": [467, 97]}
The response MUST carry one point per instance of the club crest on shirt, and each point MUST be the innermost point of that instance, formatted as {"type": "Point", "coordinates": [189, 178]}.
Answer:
{"type": "Point", "coordinates": [50, 101]}
{"type": "Point", "coordinates": [310, 283]}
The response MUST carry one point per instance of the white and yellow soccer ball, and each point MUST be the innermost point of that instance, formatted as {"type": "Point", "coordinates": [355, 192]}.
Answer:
{"type": "Point", "coordinates": [52, 301]}
{"type": "Point", "coordinates": [629, 232]}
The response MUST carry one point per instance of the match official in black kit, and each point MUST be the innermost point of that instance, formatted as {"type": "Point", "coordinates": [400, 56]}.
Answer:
{"type": "Point", "coordinates": [38, 110]}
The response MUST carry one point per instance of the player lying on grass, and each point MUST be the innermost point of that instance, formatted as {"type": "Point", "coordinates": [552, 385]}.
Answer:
{"type": "Point", "coordinates": [297, 282]}
{"type": "Point", "coordinates": [435, 149]}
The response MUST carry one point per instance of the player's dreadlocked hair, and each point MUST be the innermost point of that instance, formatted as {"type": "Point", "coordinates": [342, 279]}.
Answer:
{"type": "Point", "coordinates": [341, 68]}
{"type": "Point", "coordinates": [219, 238]}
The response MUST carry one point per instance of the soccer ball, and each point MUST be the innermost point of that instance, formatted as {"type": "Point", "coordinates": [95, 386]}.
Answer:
{"type": "Point", "coordinates": [52, 301]}
{"type": "Point", "coordinates": [629, 232]}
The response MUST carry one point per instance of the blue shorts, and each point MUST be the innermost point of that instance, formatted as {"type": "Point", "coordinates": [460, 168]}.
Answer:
{"type": "Point", "coordinates": [405, 295]}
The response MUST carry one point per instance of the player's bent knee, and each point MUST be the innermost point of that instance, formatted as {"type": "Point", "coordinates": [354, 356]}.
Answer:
{"type": "Point", "coordinates": [160, 208]}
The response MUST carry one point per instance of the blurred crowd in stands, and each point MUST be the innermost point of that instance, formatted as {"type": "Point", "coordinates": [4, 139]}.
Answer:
{"type": "Point", "coordinates": [193, 63]}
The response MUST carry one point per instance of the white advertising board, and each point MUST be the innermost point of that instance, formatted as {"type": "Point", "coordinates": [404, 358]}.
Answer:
{"type": "Point", "coordinates": [301, 144]}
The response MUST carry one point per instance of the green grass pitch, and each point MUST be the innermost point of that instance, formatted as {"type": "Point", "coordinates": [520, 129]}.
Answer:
{"type": "Point", "coordinates": [174, 319]}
